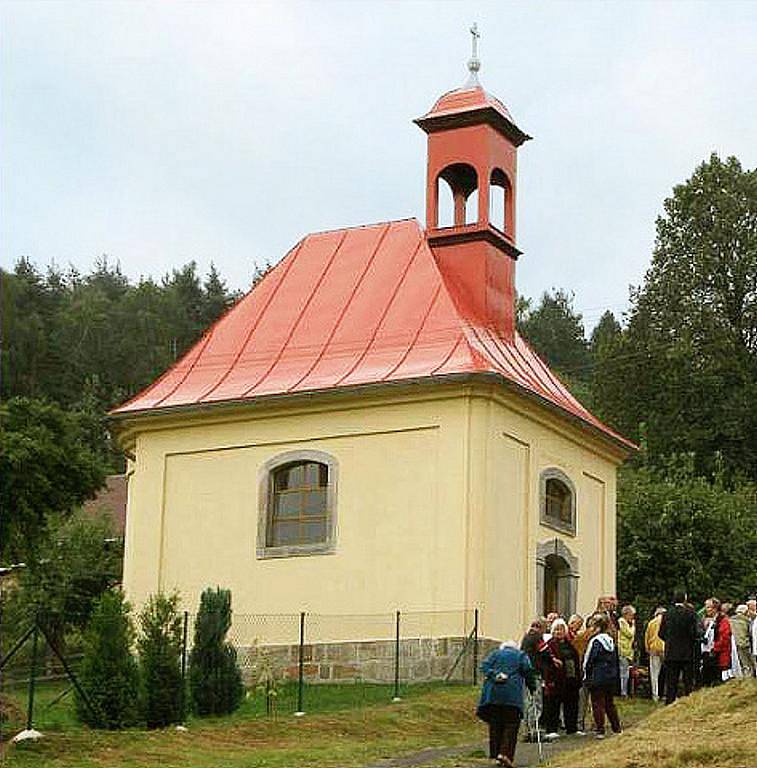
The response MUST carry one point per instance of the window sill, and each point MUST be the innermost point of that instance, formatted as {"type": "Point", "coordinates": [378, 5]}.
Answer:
{"type": "Point", "coordinates": [301, 550]}
{"type": "Point", "coordinates": [556, 525]}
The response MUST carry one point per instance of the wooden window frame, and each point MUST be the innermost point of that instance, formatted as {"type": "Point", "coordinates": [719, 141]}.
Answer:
{"type": "Point", "coordinates": [266, 500]}
{"type": "Point", "coordinates": [547, 520]}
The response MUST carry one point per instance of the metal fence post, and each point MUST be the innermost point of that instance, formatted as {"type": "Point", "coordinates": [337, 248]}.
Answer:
{"type": "Point", "coordinates": [397, 659]}
{"type": "Point", "coordinates": [475, 646]}
{"type": "Point", "coordinates": [301, 682]}
{"type": "Point", "coordinates": [71, 676]}
{"type": "Point", "coordinates": [2, 606]}
{"type": "Point", "coordinates": [32, 679]}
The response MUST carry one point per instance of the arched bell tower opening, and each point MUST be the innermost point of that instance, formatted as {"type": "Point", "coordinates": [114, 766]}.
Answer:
{"type": "Point", "coordinates": [461, 181]}
{"type": "Point", "coordinates": [501, 209]}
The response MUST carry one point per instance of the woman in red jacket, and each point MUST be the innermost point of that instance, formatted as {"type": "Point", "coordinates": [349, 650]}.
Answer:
{"type": "Point", "coordinates": [562, 682]}
{"type": "Point", "coordinates": [717, 642]}
{"type": "Point", "coordinates": [722, 644]}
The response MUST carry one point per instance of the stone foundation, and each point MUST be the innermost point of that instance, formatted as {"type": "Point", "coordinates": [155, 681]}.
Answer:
{"type": "Point", "coordinates": [370, 661]}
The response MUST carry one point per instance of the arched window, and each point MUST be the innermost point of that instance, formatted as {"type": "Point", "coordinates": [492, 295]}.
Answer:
{"type": "Point", "coordinates": [297, 505]}
{"type": "Point", "coordinates": [298, 512]}
{"type": "Point", "coordinates": [557, 501]}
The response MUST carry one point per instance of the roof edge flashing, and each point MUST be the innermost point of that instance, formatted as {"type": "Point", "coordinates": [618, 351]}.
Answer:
{"type": "Point", "coordinates": [620, 444]}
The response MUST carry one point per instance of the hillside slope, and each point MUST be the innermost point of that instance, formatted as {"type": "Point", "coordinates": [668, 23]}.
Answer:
{"type": "Point", "coordinates": [712, 728]}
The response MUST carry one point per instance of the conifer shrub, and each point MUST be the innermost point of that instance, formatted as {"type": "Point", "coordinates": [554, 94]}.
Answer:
{"type": "Point", "coordinates": [214, 678]}
{"type": "Point", "coordinates": [160, 646]}
{"type": "Point", "coordinates": [109, 673]}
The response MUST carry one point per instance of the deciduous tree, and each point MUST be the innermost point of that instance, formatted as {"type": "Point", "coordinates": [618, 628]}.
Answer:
{"type": "Point", "coordinates": [46, 469]}
{"type": "Point", "coordinates": [686, 369]}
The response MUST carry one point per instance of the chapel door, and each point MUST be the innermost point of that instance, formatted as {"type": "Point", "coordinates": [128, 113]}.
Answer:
{"type": "Point", "coordinates": [550, 588]}
{"type": "Point", "coordinates": [556, 587]}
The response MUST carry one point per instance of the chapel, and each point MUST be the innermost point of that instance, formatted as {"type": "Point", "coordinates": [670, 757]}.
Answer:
{"type": "Point", "coordinates": [366, 431]}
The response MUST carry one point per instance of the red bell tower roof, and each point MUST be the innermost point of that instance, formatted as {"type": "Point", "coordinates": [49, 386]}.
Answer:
{"type": "Point", "coordinates": [465, 98]}
{"type": "Point", "coordinates": [468, 105]}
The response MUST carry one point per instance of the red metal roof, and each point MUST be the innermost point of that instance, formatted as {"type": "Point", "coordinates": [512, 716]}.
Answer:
{"type": "Point", "coordinates": [468, 106]}
{"type": "Point", "coordinates": [467, 99]}
{"type": "Point", "coordinates": [344, 308]}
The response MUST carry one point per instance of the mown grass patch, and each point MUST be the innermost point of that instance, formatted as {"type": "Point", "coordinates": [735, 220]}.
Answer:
{"type": "Point", "coordinates": [437, 716]}
{"type": "Point", "coordinates": [54, 711]}
{"type": "Point", "coordinates": [712, 728]}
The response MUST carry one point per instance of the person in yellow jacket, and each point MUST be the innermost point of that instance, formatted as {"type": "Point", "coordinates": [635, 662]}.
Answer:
{"type": "Point", "coordinates": [655, 646]}
{"type": "Point", "coordinates": [626, 634]}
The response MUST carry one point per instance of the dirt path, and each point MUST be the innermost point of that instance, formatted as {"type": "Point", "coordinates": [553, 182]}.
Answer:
{"type": "Point", "coordinates": [474, 755]}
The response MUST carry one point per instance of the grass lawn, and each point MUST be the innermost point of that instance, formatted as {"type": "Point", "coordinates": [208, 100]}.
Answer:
{"type": "Point", "coordinates": [349, 725]}
{"type": "Point", "coordinates": [712, 728]}
{"type": "Point", "coordinates": [352, 726]}
{"type": "Point", "coordinates": [51, 712]}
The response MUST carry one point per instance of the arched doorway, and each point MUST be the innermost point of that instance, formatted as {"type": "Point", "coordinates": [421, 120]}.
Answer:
{"type": "Point", "coordinates": [556, 578]}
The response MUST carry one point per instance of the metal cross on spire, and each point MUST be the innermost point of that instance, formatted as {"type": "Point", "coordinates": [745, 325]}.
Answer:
{"type": "Point", "coordinates": [474, 63]}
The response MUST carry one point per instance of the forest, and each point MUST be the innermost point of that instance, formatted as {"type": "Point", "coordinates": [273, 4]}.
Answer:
{"type": "Point", "coordinates": [677, 373]}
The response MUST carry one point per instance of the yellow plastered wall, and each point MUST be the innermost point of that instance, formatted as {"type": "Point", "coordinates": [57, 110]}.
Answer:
{"type": "Point", "coordinates": [436, 507]}
{"type": "Point", "coordinates": [193, 510]}
{"type": "Point", "coordinates": [517, 444]}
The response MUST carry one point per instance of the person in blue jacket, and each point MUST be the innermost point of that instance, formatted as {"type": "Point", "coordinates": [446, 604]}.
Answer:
{"type": "Point", "coordinates": [505, 671]}
{"type": "Point", "coordinates": [602, 676]}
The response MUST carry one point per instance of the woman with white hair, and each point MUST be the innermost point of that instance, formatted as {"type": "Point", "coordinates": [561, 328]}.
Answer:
{"type": "Point", "coordinates": [505, 671]}
{"type": "Point", "coordinates": [562, 682]}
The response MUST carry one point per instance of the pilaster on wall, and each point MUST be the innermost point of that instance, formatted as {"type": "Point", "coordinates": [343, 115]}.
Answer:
{"type": "Point", "coordinates": [478, 566]}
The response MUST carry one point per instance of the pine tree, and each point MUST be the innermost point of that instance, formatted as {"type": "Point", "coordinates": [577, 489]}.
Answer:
{"type": "Point", "coordinates": [162, 695]}
{"type": "Point", "coordinates": [109, 672]}
{"type": "Point", "coordinates": [216, 298]}
{"type": "Point", "coordinates": [214, 678]}
{"type": "Point", "coordinates": [556, 332]}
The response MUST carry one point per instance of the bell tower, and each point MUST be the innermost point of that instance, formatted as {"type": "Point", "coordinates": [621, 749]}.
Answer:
{"type": "Point", "coordinates": [472, 157]}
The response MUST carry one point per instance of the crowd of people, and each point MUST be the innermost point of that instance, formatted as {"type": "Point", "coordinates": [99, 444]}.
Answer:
{"type": "Point", "coordinates": [569, 665]}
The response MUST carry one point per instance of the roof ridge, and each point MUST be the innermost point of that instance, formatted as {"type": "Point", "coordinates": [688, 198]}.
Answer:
{"type": "Point", "coordinates": [385, 223]}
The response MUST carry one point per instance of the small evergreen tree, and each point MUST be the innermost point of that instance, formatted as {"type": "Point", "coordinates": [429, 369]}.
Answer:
{"type": "Point", "coordinates": [214, 677]}
{"type": "Point", "coordinates": [162, 695]}
{"type": "Point", "coordinates": [109, 672]}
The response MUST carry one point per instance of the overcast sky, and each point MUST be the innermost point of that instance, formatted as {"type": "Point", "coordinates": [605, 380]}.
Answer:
{"type": "Point", "coordinates": [161, 132]}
